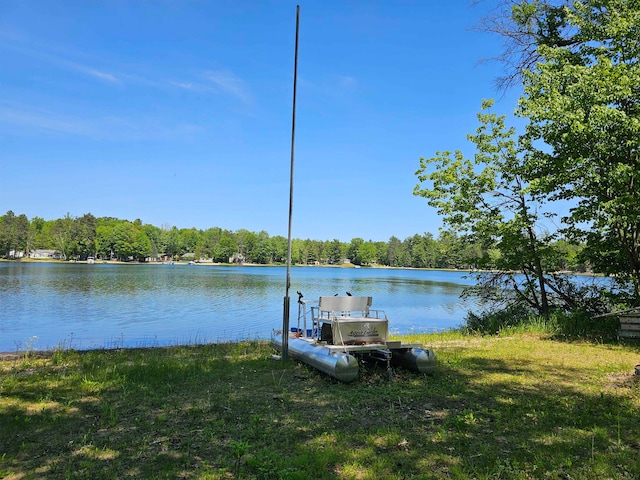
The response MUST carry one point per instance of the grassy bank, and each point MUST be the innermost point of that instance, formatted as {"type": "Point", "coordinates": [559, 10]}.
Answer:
{"type": "Point", "coordinates": [521, 406]}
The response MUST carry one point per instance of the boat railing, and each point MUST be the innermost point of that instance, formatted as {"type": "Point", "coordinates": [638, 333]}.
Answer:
{"type": "Point", "coordinates": [373, 314]}
{"type": "Point", "coordinates": [337, 319]}
{"type": "Point", "coordinates": [313, 314]}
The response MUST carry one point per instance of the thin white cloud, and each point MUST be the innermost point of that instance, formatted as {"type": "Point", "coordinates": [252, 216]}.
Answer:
{"type": "Point", "coordinates": [229, 83]}
{"type": "Point", "coordinates": [333, 86]}
{"type": "Point", "coordinates": [345, 81]}
{"type": "Point", "coordinates": [188, 86]}
{"type": "Point", "coordinates": [185, 86]}
{"type": "Point", "coordinates": [108, 77]}
{"type": "Point", "coordinates": [9, 34]}
{"type": "Point", "coordinates": [28, 46]}
{"type": "Point", "coordinates": [25, 120]}
{"type": "Point", "coordinates": [220, 81]}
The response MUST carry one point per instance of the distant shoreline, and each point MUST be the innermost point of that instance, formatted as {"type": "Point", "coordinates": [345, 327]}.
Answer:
{"type": "Point", "coordinates": [247, 264]}
{"type": "Point", "coordinates": [219, 264]}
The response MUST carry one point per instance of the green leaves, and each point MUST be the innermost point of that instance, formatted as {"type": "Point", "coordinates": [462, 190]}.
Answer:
{"type": "Point", "coordinates": [475, 195]}
{"type": "Point", "coordinates": [583, 105]}
{"type": "Point", "coordinates": [14, 233]}
{"type": "Point", "coordinates": [487, 200]}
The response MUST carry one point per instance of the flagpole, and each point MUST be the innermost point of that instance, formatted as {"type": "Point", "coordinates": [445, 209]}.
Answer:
{"type": "Point", "coordinates": [287, 299]}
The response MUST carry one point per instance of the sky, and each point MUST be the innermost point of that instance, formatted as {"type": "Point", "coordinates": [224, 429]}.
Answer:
{"type": "Point", "coordinates": [179, 112]}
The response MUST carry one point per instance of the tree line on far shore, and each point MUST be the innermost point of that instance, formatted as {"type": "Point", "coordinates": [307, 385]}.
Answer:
{"type": "Point", "coordinates": [77, 238]}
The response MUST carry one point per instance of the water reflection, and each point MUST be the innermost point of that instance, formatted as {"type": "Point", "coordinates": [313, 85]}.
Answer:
{"type": "Point", "coordinates": [104, 305]}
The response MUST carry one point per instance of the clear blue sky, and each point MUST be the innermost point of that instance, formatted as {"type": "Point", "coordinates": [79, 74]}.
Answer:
{"type": "Point", "coordinates": [179, 112]}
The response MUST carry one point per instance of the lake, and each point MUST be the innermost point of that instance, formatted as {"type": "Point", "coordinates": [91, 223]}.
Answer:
{"type": "Point", "coordinates": [51, 305]}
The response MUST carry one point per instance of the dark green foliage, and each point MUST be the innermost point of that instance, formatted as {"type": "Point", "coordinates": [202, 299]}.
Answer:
{"type": "Point", "coordinates": [581, 103]}
{"type": "Point", "coordinates": [491, 323]}
{"type": "Point", "coordinates": [14, 234]}
{"type": "Point", "coordinates": [111, 238]}
{"type": "Point", "coordinates": [578, 62]}
{"type": "Point", "coordinates": [576, 324]}
{"type": "Point", "coordinates": [580, 324]}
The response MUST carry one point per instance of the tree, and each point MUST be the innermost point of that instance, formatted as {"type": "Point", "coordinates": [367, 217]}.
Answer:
{"type": "Point", "coordinates": [104, 241]}
{"type": "Point", "coordinates": [207, 241]}
{"type": "Point", "coordinates": [63, 235]}
{"type": "Point", "coordinates": [366, 254]}
{"type": "Point", "coordinates": [399, 253]}
{"type": "Point", "coordinates": [154, 234]}
{"type": "Point", "coordinates": [310, 251]}
{"type": "Point", "coordinates": [40, 233]}
{"type": "Point", "coordinates": [525, 25]}
{"type": "Point", "coordinates": [262, 251]}
{"type": "Point", "coordinates": [141, 244]}
{"type": "Point", "coordinates": [190, 237]}
{"type": "Point", "coordinates": [352, 249]}
{"type": "Point", "coordinates": [417, 251]}
{"type": "Point", "coordinates": [486, 200]}
{"type": "Point", "coordinates": [171, 242]}
{"type": "Point", "coordinates": [85, 235]}
{"type": "Point", "coordinates": [382, 252]}
{"type": "Point", "coordinates": [14, 234]}
{"type": "Point", "coordinates": [394, 252]}
{"type": "Point", "coordinates": [279, 247]}
{"type": "Point", "coordinates": [225, 249]}
{"type": "Point", "coordinates": [130, 241]}
{"type": "Point", "coordinates": [582, 101]}
{"type": "Point", "coordinates": [335, 253]}
{"type": "Point", "coordinates": [246, 241]}
{"type": "Point", "coordinates": [450, 253]}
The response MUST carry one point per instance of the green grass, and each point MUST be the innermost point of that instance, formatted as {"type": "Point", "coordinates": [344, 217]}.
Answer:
{"type": "Point", "coordinates": [514, 406]}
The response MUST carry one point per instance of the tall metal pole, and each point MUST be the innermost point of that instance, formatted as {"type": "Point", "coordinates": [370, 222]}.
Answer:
{"type": "Point", "coordinates": [287, 299]}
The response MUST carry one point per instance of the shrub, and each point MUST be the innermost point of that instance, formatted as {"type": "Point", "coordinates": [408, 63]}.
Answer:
{"type": "Point", "coordinates": [575, 324]}
{"type": "Point", "coordinates": [492, 322]}
{"type": "Point", "coordinates": [581, 324]}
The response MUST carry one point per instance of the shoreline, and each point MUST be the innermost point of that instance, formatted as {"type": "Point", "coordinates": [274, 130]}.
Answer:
{"type": "Point", "coordinates": [221, 264]}
{"type": "Point", "coordinates": [248, 264]}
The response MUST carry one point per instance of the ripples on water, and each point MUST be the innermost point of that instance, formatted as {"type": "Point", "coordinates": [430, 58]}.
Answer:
{"type": "Point", "coordinates": [95, 306]}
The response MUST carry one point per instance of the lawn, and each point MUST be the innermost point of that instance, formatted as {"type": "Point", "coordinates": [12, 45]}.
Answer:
{"type": "Point", "coordinates": [520, 406]}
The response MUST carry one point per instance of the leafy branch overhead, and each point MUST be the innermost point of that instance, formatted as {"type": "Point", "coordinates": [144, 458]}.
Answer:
{"type": "Point", "coordinates": [488, 200]}
{"type": "Point", "coordinates": [579, 63]}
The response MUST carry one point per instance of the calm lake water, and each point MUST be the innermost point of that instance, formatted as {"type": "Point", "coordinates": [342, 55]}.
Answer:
{"type": "Point", "coordinates": [81, 306]}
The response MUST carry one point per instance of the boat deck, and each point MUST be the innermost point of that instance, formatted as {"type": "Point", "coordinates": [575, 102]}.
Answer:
{"type": "Point", "coordinates": [389, 345]}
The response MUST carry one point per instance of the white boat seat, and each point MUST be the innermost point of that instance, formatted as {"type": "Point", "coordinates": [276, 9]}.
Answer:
{"type": "Point", "coordinates": [351, 320]}
{"type": "Point", "coordinates": [341, 305]}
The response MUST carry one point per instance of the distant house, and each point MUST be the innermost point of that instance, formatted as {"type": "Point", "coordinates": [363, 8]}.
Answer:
{"type": "Point", "coordinates": [16, 254]}
{"type": "Point", "coordinates": [237, 258]}
{"type": "Point", "coordinates": [43, 253]}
